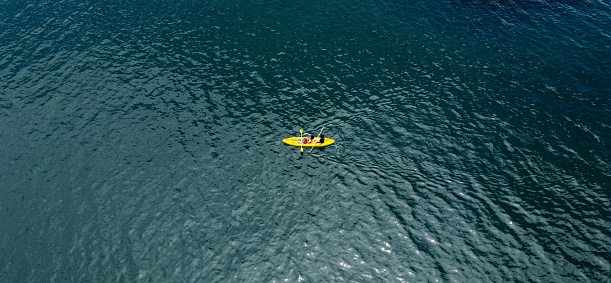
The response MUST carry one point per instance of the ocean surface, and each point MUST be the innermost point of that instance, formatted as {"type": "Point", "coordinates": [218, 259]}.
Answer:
{"type": "Point", "coordinates": [141, 141]}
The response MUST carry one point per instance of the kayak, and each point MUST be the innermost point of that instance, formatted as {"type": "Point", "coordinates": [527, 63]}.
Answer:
{"type": "Point", "coordinates": [296, 141]}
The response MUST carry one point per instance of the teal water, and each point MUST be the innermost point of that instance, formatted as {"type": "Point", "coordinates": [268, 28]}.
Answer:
{"type": "Point", "coordinates": [142, 141]}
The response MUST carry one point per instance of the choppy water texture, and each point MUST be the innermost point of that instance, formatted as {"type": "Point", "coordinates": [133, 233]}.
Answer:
{"type": "Point", "coordinates": [141, 141]}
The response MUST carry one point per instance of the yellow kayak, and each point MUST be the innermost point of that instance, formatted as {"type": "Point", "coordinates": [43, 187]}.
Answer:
{"type": "Point", "coordinates": [296, 141]}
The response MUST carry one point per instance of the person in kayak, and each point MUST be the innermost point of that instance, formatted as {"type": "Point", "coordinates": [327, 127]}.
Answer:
{"type": "Point", "coordinates": [322, 139]}
{"type": "Point", "coordinates": [308, 140]}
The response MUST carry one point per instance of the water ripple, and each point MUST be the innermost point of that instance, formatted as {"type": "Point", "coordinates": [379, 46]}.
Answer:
{"type": "Point", "coordinates": [143, 141]}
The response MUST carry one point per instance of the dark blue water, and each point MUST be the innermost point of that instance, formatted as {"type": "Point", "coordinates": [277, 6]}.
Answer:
{"type": "Point", "coordinates": [142, 141]}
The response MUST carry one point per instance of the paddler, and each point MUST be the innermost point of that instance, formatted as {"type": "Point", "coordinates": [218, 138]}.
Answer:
{"type": "Point", "coordinates": [309, 140]}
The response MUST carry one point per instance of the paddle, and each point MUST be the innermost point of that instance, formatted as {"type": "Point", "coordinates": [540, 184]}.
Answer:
{"type": "Point", "coordinates": [323, 127]}
{"type": "Point", "coordinates": [301, 141]}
